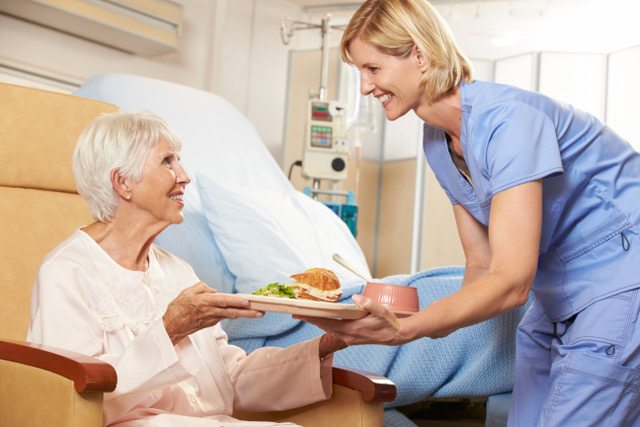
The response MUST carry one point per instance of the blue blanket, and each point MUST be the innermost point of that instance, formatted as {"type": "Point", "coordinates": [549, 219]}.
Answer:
{"type": "Point", "coordinates": [473, 361]}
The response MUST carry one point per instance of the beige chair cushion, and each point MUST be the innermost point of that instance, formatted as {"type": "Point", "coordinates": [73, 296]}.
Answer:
{"type": "Point", "coordinates": [38, 132]}
{"type": "Point", "coordinates": [33, 223]}
{"type": "Point", "coordinates": [346, 408]}
{"type": "Point", "coordinates": [45, 399]}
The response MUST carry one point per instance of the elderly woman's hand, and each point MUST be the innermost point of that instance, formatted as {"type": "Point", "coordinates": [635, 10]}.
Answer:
{"type": "Point", "coordinates": [380, 326]}
{"type": "Point", "coordinates": [198, 307]}
{"type": "Point", "coordinates": [329, 344]}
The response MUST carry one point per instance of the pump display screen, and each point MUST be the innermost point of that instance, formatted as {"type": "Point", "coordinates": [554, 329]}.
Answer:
{"type": "Point", "coordinates": [320, 111]}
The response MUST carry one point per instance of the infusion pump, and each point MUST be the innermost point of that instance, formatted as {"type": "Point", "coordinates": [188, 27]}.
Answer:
{"type": "Point", "coordinates": [326, 151]}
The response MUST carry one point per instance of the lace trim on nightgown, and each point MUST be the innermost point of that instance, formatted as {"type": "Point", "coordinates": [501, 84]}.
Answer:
{"type": "Point", "coordinates": [136, 300]}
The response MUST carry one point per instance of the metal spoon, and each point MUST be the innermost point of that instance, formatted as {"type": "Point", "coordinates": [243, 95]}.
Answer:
{"type": "Point", "coordinates": [338, 258]}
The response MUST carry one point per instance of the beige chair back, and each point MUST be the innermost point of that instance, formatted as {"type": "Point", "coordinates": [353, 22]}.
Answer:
{"type": "Point", "coordinates": [39, 205]}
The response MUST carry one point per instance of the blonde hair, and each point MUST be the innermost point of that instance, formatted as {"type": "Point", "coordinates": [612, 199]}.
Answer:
{"type": "Point", "coordinates": [116, 140]}
{"type": "Point", "coordinates": [395, 26]}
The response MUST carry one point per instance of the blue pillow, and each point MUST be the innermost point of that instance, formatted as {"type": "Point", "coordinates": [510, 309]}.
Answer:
{"type": "Point", "coordinates": [265, 236]}
{"type": "Point", "coordinates": [192, 241]}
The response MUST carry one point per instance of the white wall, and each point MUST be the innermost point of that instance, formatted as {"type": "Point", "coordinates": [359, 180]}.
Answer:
{"type": "Point", "coordinates": [233, 48]}
{"type": "Point", "coordinates": [229, 47]}
{"type": "Point", "coordinates": [605, 85]}
{"type": "Point", "coordinates": [520, 71]}
{"type": "Point", "coordinates": [579, 79]}
{"type": "Point", "coordinates": [623, 94]}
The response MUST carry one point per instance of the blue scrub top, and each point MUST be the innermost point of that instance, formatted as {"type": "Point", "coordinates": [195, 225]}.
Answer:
{"type": "Point", "coordinates": [589, 246]}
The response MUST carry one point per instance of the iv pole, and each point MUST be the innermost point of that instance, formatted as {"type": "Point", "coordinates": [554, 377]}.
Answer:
{"type": "Point", "coordinates": [287, 27]}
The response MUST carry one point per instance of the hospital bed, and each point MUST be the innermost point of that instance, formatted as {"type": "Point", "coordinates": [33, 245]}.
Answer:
{"type": "Point", "coordinates": [246, 226]}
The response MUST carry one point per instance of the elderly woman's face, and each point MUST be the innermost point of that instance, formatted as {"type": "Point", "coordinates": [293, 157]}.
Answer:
{"type": "Point", "coordinates": [159, 192]}
{"type": "Point", "coordinates": [393, 80]}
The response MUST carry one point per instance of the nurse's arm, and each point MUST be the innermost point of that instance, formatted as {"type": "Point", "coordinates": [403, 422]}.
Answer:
{"type": "Point", "coordinates": [474, 237]}
{"type": "Point", "coordinates": [513, 239]}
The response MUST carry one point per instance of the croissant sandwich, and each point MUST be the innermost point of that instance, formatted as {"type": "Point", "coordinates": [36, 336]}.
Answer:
{"type": "Point", "coordinates": [317, 284]}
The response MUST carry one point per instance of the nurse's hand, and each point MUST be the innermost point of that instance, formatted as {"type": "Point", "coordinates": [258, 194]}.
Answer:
{"type": "Point", "coordinates": [380, 326]}
{"type": "Point", "coordinates": [198, 307]}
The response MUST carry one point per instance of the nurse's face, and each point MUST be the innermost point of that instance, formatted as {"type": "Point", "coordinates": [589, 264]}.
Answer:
{"type": "Point", "coordinates": [392, 80]}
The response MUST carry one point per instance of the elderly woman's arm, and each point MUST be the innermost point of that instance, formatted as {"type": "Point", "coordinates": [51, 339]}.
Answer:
{"type": "Point", "coordinates": [198, 307]}
{"type": "Point", "coordinates": [271, 378]}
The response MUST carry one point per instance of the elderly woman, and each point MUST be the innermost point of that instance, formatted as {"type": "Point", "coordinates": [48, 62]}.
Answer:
{"type": "Point", "coordinates": [545, 199]}
{"type": "Point", "coordinates": [109, 292]}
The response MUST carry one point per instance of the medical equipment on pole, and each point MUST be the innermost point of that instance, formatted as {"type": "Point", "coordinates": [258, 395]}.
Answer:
{"type": "Point", "coordinates": [326, 150]}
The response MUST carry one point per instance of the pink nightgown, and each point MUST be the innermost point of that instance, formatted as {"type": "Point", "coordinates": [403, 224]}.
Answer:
{"type": "Point", "coordinates": [85, 302]}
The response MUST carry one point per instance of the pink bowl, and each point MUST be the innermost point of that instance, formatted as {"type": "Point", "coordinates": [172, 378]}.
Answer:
{"type": "Point", "coordinates": [394, 297]}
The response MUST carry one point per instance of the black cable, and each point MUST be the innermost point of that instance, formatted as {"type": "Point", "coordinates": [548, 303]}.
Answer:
{"type": "Point", "coordinates": [296, 163]}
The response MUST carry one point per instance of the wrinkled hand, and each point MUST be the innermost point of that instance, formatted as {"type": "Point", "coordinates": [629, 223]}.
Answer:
{"type": "Point", "coordinates": [329, 343]}
{"type": "Point", "coordinates": [380, 326]}
{"type": "Point", "coordinates": [198, 307]}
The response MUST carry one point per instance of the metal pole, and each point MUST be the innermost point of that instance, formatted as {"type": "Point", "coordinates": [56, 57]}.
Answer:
{"type": "Point", "coordinates": [324, 71]}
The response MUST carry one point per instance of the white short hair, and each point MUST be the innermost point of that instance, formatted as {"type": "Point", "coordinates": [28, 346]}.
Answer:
{"type": "Point", "coordinates": [116, 140]}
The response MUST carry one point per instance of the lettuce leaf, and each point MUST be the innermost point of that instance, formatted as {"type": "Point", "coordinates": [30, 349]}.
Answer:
{"type": "Point", "coordinates": [276, 290]}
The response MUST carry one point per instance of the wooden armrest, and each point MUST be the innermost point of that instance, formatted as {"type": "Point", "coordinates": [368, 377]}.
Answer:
{"type": "Point", "coordinates": [373, 387]}
{"type": "Point", "coordinates": [90, 374]}
{"type": "Point", "coordinates": [87, 373]}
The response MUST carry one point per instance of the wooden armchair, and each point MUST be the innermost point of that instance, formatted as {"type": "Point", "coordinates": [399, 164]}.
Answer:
{"type": "Point", "coordinates": [41, 385]}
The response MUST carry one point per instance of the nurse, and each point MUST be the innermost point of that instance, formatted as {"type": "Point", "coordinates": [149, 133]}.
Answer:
{"type": "Point", "coordinates": [546, 199]}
